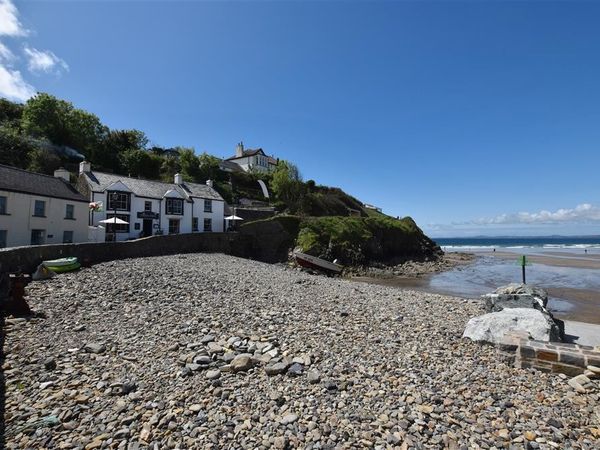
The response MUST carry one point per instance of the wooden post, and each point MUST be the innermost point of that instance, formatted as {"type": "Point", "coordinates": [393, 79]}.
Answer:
{"type": "Point", "coordinates": [523, 266]}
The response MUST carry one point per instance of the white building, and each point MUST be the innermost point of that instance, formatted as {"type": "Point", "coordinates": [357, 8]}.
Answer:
{"type": "Point", "coordinates": [39, 209]}
{"type": "Point", "coordinates": [151, 207]}
{"type": "Point", "coordinates": [250, 160]}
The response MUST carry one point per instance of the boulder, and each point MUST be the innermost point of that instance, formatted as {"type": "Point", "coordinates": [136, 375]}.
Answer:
{"type": "Point", "coordinates": [493, 326]}
{"type": "Point", "coordinates": [498, 302]}
{"type": "Point", "coordinates": [518, 288]}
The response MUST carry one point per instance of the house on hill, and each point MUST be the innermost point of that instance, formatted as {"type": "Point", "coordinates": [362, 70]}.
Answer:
{"type": "Point", "coordinates": [150, 207]}
{"type": "Point", "coordinates": [39, 209]}
{"type": "Point", "coordinates": [250, 160]}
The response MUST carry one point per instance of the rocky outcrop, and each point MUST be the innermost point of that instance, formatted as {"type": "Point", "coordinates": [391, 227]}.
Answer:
{"type": "Point", "coordinates": [494, 326]}
{"type": "Point", "coordinates": [515, 307]}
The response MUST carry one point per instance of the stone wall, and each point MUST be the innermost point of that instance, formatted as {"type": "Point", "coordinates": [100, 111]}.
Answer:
{"type": "Point", "coordinates": [556, 357]}
{"type": "Point", "coordinates": [26, 259]}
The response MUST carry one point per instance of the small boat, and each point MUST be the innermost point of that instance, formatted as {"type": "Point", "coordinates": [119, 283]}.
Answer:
{"type": "Point", "coordinates": [312, 262]}
{"type": "Point", "coordinates": [67, 268]}
{"type": "Point", "coordinates": [60, 262]}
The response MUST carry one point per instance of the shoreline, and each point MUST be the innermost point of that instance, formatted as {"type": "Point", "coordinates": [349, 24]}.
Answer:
{"type": "Point", "coordinates": [577, 304]}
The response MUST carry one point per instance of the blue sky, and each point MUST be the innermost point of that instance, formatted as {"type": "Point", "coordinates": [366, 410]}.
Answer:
{"type": "Point", "coordinates": [472, 117]}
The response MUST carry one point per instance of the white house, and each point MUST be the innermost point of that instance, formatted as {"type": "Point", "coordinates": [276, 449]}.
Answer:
{"type": "Point", "coordinates": [39, 209]}
{"type": "Point", "coordinates": [250, 160]}
{"type": "Point", "coordinates": [150, 207]}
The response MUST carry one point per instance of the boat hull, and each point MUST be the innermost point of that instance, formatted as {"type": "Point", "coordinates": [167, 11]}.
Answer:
{"type": "Point", "coordinates": [60, 262]}
{"type": "Point", "coordinates": [312, 262]}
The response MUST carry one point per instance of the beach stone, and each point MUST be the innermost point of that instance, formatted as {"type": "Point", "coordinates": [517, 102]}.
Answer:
{"type": "Point", "coordinates": [525, 289]}
{"type": "Point", "coordinates": [492, 327]}
{"type": "Point", "coordinates": [241, 363]}
{"type": "Point", "coordinates": [295, 370]}
{"type": "Point", "coordinates": [212, 374]}
{"type": "Point", "coordinates": [276, 369]}
{"type": "Point", "coordinates": [92, 347]}
{"type": "Point", "coordinates": [313, 376]}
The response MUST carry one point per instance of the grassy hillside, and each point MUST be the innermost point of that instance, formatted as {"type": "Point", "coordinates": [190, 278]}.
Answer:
{"type": "Point", "coordinates": [351, 240]}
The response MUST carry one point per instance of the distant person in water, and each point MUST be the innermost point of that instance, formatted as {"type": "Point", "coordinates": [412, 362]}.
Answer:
{"type": "Point", "coordinates": [494, 249]}
{"type": "Point", "coordinates": [585, 250]}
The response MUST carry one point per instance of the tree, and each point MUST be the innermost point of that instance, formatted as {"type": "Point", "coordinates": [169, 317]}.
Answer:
{"type": "Point", "coordinates": [42, 160]}
{"type": "Point", "coordinates": [140, 163]}
{"type": "Point", "coordinates": [109, 154]}
{"type": "Point", "coordinates": [10, 113]}
{"type": "Point", "coordinates": [287, 185]}
{"type": "Point", "coordinates": [45, 116]}
{"type": "Point", "coordinates": [190, 164]}
{"type": "Point", "coordinates": [14, 147]}
{"type": "Point", "coordinates": [209, 168]}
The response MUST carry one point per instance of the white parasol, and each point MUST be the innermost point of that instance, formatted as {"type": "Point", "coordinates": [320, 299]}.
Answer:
{"type": "Point", "coordinates": [115, 220]}
{"type": "Point", "coordinates": [233, 218]}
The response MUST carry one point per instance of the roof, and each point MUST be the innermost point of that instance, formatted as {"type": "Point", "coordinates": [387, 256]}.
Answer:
{"type": "Point", "coordinates": [99, 181]}
{"type": "Point", "coordinates": [18, 180]}
{"type": "Point", "coordinates": [246, 153]}
{"type": "Point", "coordinates": [230, 166]}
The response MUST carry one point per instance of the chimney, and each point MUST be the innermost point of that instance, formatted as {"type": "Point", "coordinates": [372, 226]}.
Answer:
{"type": "Point", "coordinates": [239, 150]}
{"type": "Point", "coordinates": [84, 166]}
{"type": "Point", "coordinates": [63, 174]}
{"type": "Point", "coordinates": [178, 178]}
{"type": "Point", "coordinates": [209, 183]}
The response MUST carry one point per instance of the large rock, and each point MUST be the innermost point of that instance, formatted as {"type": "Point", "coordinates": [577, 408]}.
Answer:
{"type": "Point", "coordinates": [527, 289]}
{"type": "Point", "coordinates": [498, 302]}
{"type": "Point", "coordinates": [493, 326]}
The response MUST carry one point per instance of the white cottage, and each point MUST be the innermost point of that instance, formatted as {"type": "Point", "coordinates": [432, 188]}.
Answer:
{"type": "Point", "coordinates": [39, 209]}
{"type": "Point", "coordinates": [249, 160]}
{"type": "Point", "coordinates": [151, 207]}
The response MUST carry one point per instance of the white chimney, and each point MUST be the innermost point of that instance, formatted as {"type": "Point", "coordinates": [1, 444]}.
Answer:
{"type": "Point", "coordinates": [84, 166]}
{"type": "Point", "coordinates": [209, 183]}
{"type": "Point", "coordinates": [239, 150]}
{"type": "Point", "coordinates": [178, 178]}
{"type": "Point", "coordinates": [63, 174]}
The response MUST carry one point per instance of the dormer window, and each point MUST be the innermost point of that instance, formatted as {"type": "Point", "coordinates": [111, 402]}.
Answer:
{"type": "Point", "coordinates": [174, 206]}
{"type": "Point", "coordinates": [118, 200]}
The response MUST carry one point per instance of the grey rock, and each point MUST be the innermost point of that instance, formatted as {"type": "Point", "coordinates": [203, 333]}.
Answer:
{"type": "Point", "coordinates": [241, 363]}
{"type": "Point", "coordinates": [276, 369]}
{"type": "Point", "coordinates": [212, 374]}
{"type": "Point", "coordinates": [493, 326]}
{"type": "Point", "coordinates": [295, 370]}
{"type": "Point", "coordinates": [313, 376]}
{"type": "Point", "coordinates": [91, 347]}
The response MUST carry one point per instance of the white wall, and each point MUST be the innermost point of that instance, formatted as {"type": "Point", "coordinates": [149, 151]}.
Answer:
{"type": "Point", "coordinates": [19, 220]}
{"type": "Point", "coordinates": [185, 221]}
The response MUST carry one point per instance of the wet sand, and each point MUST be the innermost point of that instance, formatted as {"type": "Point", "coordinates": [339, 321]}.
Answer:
{"type": "Point", "coordinates": [573, 299]}
{"type": "Point", "coordinates": [559, 259]}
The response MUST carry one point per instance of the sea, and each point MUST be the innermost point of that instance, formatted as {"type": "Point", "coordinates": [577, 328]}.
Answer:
{"type": "Point", "coordinates": [485, 243]}
{"type": "Point", "coordinates": [487, 272]}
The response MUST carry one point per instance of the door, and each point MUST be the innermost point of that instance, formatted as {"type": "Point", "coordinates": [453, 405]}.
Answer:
{"type": "Point", "coordinates": [147, 227]}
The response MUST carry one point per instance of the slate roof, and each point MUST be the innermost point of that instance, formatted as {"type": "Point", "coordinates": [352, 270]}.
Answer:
{"type": "Point", "coordinates": [246, 153]}
{"type": "Point", "coordinates": [99, 181]}
{"type": "Point", "coordinates": [230, 166]}
{"type": "Point", "coordinates": [18, 180]}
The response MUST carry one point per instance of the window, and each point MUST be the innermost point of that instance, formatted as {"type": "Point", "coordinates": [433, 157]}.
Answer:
{"type": "Point", "coordinates": [70, 212]}
{"type": "Point", "coordinates": [173, 226]}
{"type": "Point", "coordinates": [118, 200]}
{"type": "Point", "coordinates": [207, 206]}
{"type": "Point", "coordinates": [67, 237]}
{"type": "Point", "coordinates": [118, 228]}
{"type": "Point", "coordinates": [175, 206]}
{"type": "Point", "coordinates": [3, 205]}
{"type": "Point", "coordinates": [194, 224]}
{"type": "Point", "coordinates": [207, 224]}
{"type": "Point", "coordinates": [37, 237]}
{"type": "Point", "coordinates": [147, 206]}
{"type": "Point", "coordinates": [39, 209]}
{"type": "Point", "coordinates": [3, 234]}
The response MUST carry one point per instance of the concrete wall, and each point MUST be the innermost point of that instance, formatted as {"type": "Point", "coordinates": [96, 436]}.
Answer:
{"type": "Point", "coordinates": [19, 220]}
{"type": "Point", "coordinates": [26, 259]}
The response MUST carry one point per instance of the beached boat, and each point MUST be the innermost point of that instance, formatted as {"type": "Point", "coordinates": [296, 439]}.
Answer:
{"type": "Point", "coordinates": [60, 262]}
{"type": "Point", "coordinates": [313, 262]}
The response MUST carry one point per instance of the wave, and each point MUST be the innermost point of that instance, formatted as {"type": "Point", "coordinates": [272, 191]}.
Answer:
{"type": "Point", "coordinates": [546, 246]}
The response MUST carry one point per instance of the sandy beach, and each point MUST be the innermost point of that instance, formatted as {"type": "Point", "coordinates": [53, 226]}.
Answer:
{"type": "Point", "coordinates": [559, 259]}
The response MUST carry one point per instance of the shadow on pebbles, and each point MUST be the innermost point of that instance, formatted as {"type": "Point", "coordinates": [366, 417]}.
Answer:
{"type": "Point", "coordinates": [211, 351]}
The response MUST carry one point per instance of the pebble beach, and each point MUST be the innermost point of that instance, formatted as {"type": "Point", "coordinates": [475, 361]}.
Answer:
{"type": "Point", "coordinates": [207, 351]}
